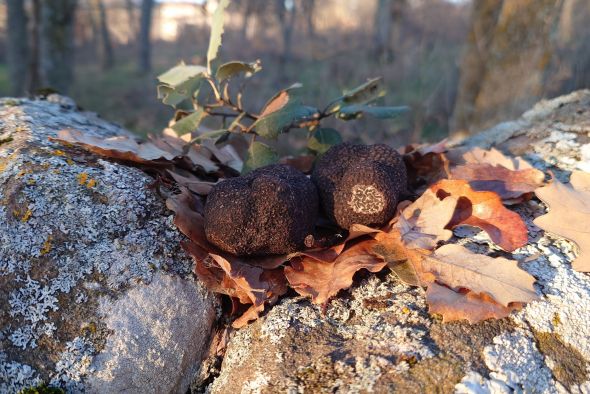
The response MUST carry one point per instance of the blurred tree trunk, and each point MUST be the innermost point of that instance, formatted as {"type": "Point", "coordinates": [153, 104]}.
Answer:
{"type": "Point", "coordinates": [106, 46]}
{"type": "Point", "coordinates": [34, 81]}
{"type": "Point", "coordinates": [382, 33]}
{"type": "Point", "coordinates": [145, 45]}
{"type": "Point", "coordinates": [130, 8]}
{"type": "Point", "coordinates": [17, 46]}
{"type": "Point", "coordinates": [508, 53]}
{"type": "Point", "coordinates": [484, 18]}
{"type": "Point", "coordinates": [247, 11]}
{"type": "Point", "coordinates": [57, 43]}
{"type": "Point", "coordinates": [308, 8]}
{"type": "Point", "coordinates": [287, 22]}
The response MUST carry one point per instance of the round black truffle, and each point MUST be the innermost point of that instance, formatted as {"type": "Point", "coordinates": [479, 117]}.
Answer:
{"type": "Point", "coordinates": [268, 211]}
{"type": "Point", "coordinates": [360, 183]}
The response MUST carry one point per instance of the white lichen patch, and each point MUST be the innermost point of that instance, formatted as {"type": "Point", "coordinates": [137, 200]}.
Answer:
{"type": "Point", "coordinates": [14, 376]}
{"type": "Point", "coordinates": [515, 360]}
{"type": "Point", "coordinates": [256, 385]}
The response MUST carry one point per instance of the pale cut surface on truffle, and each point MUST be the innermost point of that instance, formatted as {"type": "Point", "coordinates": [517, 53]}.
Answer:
{"type": "Point", "coordinates": [360, 183]}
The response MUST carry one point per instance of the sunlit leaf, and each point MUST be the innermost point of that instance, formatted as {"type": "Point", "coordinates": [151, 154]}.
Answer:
{"type": "Point", "coordinates": [190, 123]}
{"type": "Point", "coordinates": [181, 73]}
{"type": "Point", "coordinates": [322, 139]}
{"type": "Point", "coordinates": [230, 69]}
{"type": "Point", "coordinates": [363, 94]}
{"type": "Point", "coordinates": [216, 33]}
{"type": "Point", "coordinates": [259, 155]}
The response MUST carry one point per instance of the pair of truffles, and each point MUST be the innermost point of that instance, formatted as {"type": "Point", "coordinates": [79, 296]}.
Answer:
{"type": "Point", "coordinates": [273, 209]}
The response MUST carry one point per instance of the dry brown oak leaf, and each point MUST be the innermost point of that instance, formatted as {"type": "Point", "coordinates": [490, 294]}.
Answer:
{"type": "Point", "coordinates": [158, 150]}
{"type": "Point", "coordinates": [320, 279]}
{"type": "Point", "coordinates": [512, 178]}
{"type": "Point", "coordinates": [425, 164]}
{"type": "Point", "coordinates": [484, 210]}
{"type": "Point", "coordinates": [482, 287]}
{"type": "Point", "coordinates": [569, 214]}
{"type": "Point", "coordinates": [423, 223]}
{"type": "Point", "coordinates": [453, 305]}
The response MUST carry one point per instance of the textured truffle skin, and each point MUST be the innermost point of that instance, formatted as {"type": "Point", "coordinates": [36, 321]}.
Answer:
{"type": "Point", "coordinates": [268, 211]}
{"type": "Point", "coordinates": [360, 183]}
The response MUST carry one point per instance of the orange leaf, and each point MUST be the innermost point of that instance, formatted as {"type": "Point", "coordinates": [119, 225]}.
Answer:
{"type": "Point", "coordinates": [464, 306]}
{"type": "Point", "coordinates": [569, 214]}
{"type": "Point", "coordinates": [322, 280]}
{"type": "Point", "coordinates": [426, 164]}
{"type": "Point", "coordinates": [484, 210]}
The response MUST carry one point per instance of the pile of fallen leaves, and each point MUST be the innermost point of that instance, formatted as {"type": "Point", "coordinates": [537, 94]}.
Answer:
{"type": "Point", "coordinates": [454, 187]}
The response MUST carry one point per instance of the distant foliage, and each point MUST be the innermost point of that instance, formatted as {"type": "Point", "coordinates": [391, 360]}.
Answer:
{"type": "Point", "coordinates": [216, 90]}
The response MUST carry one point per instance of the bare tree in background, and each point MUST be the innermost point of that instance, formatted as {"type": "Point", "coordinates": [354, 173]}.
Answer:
{"type": "Point", "coordinates": [484, 18]}
{"type": "Point", "coordinates": [506, 60]}
{"type": "Point", "coordinates": [286, 17]}
{"type": "Point", "coordinates": [308, 8]}
{"type": "Point", "coordinates": [17, 46]}
{"type": "Point", "coordinates": [106, 46]}
{"type": "Point", "coordinates": [34, 80]}
{"type": "Point", "coordinates": [130, 8]}
{"type": "Point", "coordinates": [145, 45]}
{"type": "Point", "coordinates": [388, 17]}
{"type": "Point", "coordinates": [57, 43]}
{"type": "Point", "coordinates": [382, 34]}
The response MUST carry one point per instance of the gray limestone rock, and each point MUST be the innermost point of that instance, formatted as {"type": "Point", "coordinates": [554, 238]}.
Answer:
{"type": "Point", "coordinates": [95, 291]}
{"type": "Point", "coordinates": [378, 337]}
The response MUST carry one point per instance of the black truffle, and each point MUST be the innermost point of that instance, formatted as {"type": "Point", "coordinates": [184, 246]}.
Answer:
{"type": "Point", "coordinates": [268, 211]}
{"type": "Point", "coordinates": [360, 183]}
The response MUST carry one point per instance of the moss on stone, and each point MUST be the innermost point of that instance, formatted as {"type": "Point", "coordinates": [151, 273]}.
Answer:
{"type": "Point", "coordinates": [569, 366]}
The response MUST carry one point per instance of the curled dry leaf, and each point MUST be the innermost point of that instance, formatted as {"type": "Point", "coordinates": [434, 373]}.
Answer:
{"type": "Point", "coordinates": [468, 306]}
{"type": "Point", "coordinates": [423, 224]}
{"type": "Point", "coordinates": [484, 210]}
{"type": "Point", "coordinates": [120, 147]}
{"type": "Point", "coordinates": [569, 214]}
{"type": "Point", "coordinates": [156, 151]}
{"type": "Point", "coordinates": [425, 164]}
{"type": "Point", "coordinates": [512, 178]}
{"type": "Point", "coordinates": [191, 182]}
{"type": "Point", "coordinates": [322, 280]}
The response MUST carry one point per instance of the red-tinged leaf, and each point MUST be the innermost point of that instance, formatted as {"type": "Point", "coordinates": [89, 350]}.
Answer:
{"type": "Point", "coordinates": [468, 306]}
{"type": "Point", "coordinates": [252, 285]}
{"type": "Point", "coordinates": [322, 280]}
{"type": "Point", "coordinates": [188, 218]}
{"type": "Point", "coordinates": [423, 224]}
{"type": "Point", "coordinates": [302, 163]}
{"type": "Point", "coordinates": [425, 164]}
{"type": "Point", "coordinates": [512, 186]}
{"type": "Point", "coordinates": [486, 211]}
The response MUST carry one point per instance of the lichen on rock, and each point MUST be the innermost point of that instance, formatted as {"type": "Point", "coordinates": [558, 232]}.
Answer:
{"type": "Point", "coordinates": [76, 229]}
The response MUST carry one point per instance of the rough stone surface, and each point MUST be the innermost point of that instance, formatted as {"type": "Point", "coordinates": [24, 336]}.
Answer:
{"type": "Point", "coordinates": [378, 337]}
{"type": "Point", "coordinates": [91, 272]}
{"type": "Point", "coordinates": [360, 184]}
{"type": "Point", "coordinates": [268, 211]}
